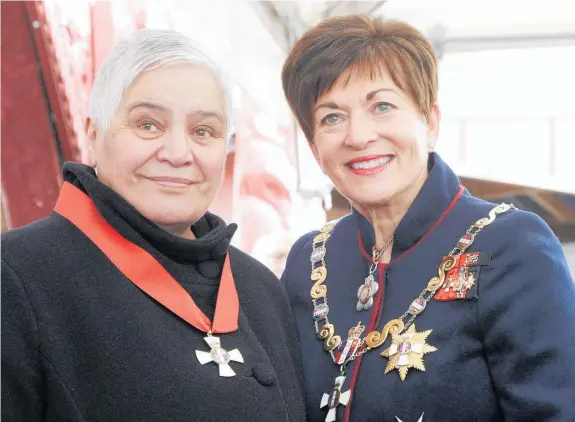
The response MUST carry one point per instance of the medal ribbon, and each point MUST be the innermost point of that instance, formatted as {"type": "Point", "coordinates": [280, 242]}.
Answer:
{"type": "Point", "coordinates": [145, 271]}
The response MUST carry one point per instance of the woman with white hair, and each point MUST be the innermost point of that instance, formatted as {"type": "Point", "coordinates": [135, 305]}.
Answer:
{"type": "Point", "coordinates": [128, 303]}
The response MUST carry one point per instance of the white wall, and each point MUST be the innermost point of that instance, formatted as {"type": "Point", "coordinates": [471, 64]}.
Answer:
{"type": "Point", "coordinates": [569, 249]}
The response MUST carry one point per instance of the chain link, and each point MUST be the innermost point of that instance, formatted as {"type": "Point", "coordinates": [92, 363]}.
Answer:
{"type": "Point", "coordinates": [426, 295]}
{"type": "Point", "coordinates": [314, 301]}
{"type": "Point", "coordinates": [456, 252]}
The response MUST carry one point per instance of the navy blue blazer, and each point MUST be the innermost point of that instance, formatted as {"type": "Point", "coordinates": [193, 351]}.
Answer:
{"type": "Point", "coordinates": [504, 353]}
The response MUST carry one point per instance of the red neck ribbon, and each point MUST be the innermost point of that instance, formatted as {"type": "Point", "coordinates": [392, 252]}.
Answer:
{"type": "Point", "coordinates": [145, 271]}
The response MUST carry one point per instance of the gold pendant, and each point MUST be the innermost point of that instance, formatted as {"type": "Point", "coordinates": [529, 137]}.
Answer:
{"type": "Point", "coordinates": [407, 351]}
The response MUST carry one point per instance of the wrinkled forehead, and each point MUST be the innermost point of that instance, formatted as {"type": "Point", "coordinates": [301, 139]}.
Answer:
{"type": "Point", "coordinates": [179, 88]}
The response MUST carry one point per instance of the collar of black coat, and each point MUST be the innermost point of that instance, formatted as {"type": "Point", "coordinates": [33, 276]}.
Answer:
{"type": "Point", "coordinates": [439, 193]}
{"type": "Point", "coordinates": [212, 234]}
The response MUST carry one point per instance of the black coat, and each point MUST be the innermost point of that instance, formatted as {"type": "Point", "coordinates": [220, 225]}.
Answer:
{"type": "Point", "coordinates": [80, 342]}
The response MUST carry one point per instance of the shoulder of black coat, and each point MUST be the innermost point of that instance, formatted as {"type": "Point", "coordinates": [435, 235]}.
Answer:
{"type": "Point", "coordinates": [36, 238]}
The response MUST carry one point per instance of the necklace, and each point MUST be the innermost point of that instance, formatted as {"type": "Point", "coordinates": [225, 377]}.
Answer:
{"type": "Point", "coordinates": [150, 276]}
{"type": "Point", "coordinates": [408, 346]}
{"type": "Point", "coordinates": [369, 288]}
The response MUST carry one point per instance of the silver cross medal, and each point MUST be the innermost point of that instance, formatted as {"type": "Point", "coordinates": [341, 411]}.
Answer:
{"type": "Point", "coordinates": [219, 356]}
{"type": "Point", "coordinates": [335, 398]}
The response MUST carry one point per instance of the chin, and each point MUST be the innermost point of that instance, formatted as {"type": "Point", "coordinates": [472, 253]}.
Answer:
{"type": "Point", "coordinates": [172, 216]}
{"type": "Point", "coordinates": [371, 197]}
{"type": "Point", "coordinates": [370, 203]}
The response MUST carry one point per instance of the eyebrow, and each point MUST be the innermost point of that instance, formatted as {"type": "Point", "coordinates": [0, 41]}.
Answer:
{"type": "Point", "coordinates": [368, 97]}
{"type": "Point", "coordinates": [207, 114]}
{"type": "Point", "coordinates": [199, 114]}
{"type": "Point", "coordinates": [146, 104]}
{"type": "Point", "coordinates": [372, 94]}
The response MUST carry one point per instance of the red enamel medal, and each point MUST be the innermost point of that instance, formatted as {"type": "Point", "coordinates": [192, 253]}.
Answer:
{"type": "Point", "coordinates": [461, 281]}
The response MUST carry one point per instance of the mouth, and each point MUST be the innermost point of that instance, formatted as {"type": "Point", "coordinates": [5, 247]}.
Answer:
{"type": "Point", "coordinates": [172, 182]}
{"type": "Point", "coordinates": [366, 166]}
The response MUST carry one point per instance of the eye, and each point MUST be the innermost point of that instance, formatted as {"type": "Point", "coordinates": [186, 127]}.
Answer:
{"type": "Point", "coordinates": [330, 119]}
{"type": "Point", "coordinates": [383, 107]}
{"type": "Point", "coordinates": [149, 127]}
{"type": "Point", "coordinates": [203, 132]}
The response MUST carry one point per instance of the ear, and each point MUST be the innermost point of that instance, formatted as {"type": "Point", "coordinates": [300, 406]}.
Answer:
{"type": "Point", "coordinates": [91, 135]}
{"type": "Point", "coordinates": [433, 123]}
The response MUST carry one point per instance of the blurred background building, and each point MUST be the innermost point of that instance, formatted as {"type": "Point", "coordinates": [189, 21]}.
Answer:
{"type": "Point", "coordinates": [507, 93]}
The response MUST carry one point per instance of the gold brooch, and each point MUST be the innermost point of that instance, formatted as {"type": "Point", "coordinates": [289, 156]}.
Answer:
{"type": "Point", "coordinates": [407, 351]}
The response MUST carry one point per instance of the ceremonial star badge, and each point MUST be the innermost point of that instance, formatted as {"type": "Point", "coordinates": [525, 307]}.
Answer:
{"type": "Point", "coordinates": [407, 350]}
{"type": "Point", "coordinates": [219, 356]}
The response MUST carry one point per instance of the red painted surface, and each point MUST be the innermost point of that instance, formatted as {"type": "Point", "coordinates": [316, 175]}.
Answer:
{"type": "Point", "coordinates": [30, 166]}
{"type": "Point", "coordinates": [53, 75]}
{"type": "Point", "coordinates": [68, 60]}
{"type": "Point", "coordinates": [48, 69]}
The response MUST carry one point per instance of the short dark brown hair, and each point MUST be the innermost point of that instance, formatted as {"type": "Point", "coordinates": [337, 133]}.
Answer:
{"type": "Point", "coordinates": [358, 43]}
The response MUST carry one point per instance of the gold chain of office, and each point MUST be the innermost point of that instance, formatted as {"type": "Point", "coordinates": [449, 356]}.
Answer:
{"type": "Point", "coordinates": [395, 327]}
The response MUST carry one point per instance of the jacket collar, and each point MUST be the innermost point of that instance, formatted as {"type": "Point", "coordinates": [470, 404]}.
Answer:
{"type": "Point", "coordinates": [213, 235]}
{"type": "Point", "coordinates": [439, 193]}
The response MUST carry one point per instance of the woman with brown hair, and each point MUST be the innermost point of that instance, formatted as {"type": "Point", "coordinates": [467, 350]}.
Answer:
{"type": "Point", "coordinates": [466, 309]}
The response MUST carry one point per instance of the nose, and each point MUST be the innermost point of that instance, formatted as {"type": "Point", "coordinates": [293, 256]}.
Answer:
{"type": "Point", "coordinates": [176, 148]}
{"type": "Point", "coordinates": [360, 132]}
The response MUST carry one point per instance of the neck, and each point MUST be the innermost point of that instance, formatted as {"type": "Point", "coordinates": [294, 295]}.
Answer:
{"type": "Point", "coordinates": [183, 231]}
{"type": "Point", "coordinates": [385, 217]}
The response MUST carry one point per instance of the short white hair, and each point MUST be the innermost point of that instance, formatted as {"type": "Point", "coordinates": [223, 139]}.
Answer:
{"type": "Point", "coordinates": [146, 50]}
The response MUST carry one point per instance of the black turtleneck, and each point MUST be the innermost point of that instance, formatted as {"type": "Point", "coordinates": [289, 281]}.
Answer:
{"type": "Point", "coordinates": [80, 342]}
{"type": "Point", "coordinates": [195, 263]}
